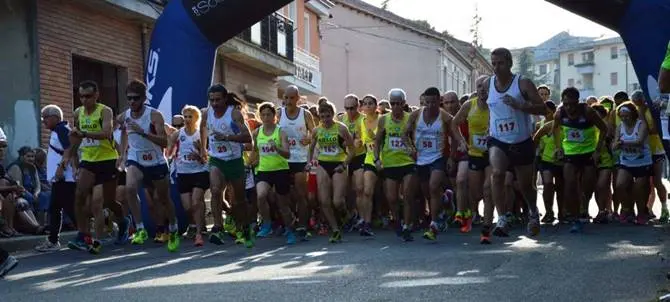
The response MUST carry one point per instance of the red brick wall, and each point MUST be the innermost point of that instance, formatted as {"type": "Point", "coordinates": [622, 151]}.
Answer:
{"type": "Point", "coordinates": [65, 29]}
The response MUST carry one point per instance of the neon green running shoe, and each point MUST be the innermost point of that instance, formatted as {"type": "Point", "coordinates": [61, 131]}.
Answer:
{"type": "Point", "coordinates": [140, 237]}
{"type": "Point", "coordinates": [239, 237]}
{"type": "Point", "coordinates": [173, 242]}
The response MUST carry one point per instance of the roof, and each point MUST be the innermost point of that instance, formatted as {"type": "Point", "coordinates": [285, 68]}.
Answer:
{"type": "Point", "coordinates": [594, 43]}
{"type": "Point", "coordinates": [388, 16]}
{"type": "Point", "coordinates": [467, 48]}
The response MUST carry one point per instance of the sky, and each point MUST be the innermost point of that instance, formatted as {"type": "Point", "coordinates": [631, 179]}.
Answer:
{"type": "Point", "coordinates": [505, 23]}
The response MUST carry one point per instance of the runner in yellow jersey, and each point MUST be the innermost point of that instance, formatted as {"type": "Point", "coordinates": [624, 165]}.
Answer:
{"type": "Point", "coordinates": [475, 112]}
{"type": "Point", "coordinates": [271, 152]}
{"type": "Point", "coordinates": [605, 168]}
{"type": "Point", "coordinates": [335, 154]}
{"type": "Point", "coordinates": [551, 169]}
{"type": "Point", "coordinates": [370, 175]}
{"type": "Point", "coordinates": [657, 153]}
{"type": "Point", "coordinates": [92, 134]}
{"type": "Point", "coordinates": [353, 119]}
{"type": "Point", "coordinates": [393, 156]}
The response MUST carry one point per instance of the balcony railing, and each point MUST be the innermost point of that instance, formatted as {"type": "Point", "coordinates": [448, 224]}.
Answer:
{"type": "Point", "coordinates": [274, 33]}
{"type": "Point", "coordinates": [587, 62]}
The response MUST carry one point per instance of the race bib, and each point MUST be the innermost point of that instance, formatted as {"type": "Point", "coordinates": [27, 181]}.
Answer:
{"type": "Point", "coordinates": [664, 128]}
{"type": "Point", "coordinates": [575, 135]}
{"type": "Point", "coordinates": [147, 158]}
{"type": "Point", "coordinates": [427, 145]}
{"type": "Point", "coordinates": [189, 158]}
{"type": "Point", "coordinates": [480, 142]}
{"type": "Point", "coordinates": [506, 127]}
{"type": "Point", "coordinates": [396, 143]}
{"type": "Point", "coordinates": [328, 150]}
{"type": "Point", "coordinates": [630, 152]}
{"type": "Point", "coordinates": [293, 142]}
{"type": "Point", "coordinates": [267, 149]}
{"type": "Point", "coordinates": [89, 142]}
{"type": "Point", "coordinates": [221, 148]}
{"type": "Point", "coordinates": [249, 182]}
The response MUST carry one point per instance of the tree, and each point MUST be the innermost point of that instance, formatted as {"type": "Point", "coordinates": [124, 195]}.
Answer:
{"type": "Point", "coordinates": [474, 30]}
{"type": "Point", "coordinates": [525, 63]}
{"type": "Point", "coordinates": [447, 34]}
{"type": "Point", "coordinates": [385, 4]}
{"type": "Point", "coordinates": [424, 24]}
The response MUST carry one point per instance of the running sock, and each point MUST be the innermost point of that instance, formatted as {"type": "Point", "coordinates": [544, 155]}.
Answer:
{"type": "Point", "coordinates": [140, 226]}
{"type": "Point", "coordinates": [173, 227]}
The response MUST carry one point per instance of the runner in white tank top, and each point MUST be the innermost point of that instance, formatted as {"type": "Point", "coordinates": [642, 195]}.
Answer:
{"type": "Point", "coordinates": [428, 127]}
{"type": "Point", "coordinates": [192, 171]}
{"type": "Point", "coordinates": [144, 134]}
{"type": "Point", "coordinates": [298, 124]}
{"type": "Point", "coordinates": [223, 127]}
{"type": "Point", "coordinates": [511, 100]}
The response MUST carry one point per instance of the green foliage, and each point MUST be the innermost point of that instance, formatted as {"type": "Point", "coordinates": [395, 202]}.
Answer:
{"type": "Point", "coordinates": [525, 64]}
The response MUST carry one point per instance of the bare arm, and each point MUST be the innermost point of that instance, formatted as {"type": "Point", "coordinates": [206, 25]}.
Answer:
{"type": "Point", "coordinates": [593, 116]}
{"type": "Point", "coordinates": [309, 122]}
{"type": "Point", "coordinates": [245, 135]}
{"type": "Point", "coordinates": [534, 104]}
{"type": "Point", "coordinates": [71, 152]}
{"type": "Point", "coordinates": [124, 138]}
{"type": "Point", "coordinates": [283, 149]}
{"type": "Point", "coordinates": [546, 129]}
{"type": "Point", "coordinates": [379, 137]}
{"type": "Point", "coordinates": [203, 133]}
{"type": "Point", "coordinates": [460, 117]}
{"type": "Point", "coordinates": [348, 143]}
{"type": "Point", "coordinates": [408, 132]}
{"type": "Point", "coordinates": [312, 145]}
{"type": "Point", "coordinates": [15, 174]}
{"type": "Point", "coordinates": [254, 157]}
{"type": "Point", "coordinates": [556, 129]}
{"type": "Point", "coordinates": [172, 144]}
{"type": "Point", "coordinates": [664, 80]}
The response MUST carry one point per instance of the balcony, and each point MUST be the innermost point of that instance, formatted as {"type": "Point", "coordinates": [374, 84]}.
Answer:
{"type": "Point", "coordinates": [586, 92]}
{"type": "Point", "coordinates": [307, 73]}
{"type": "Point", "coordinates": [586, 66]}
{"type": "Point", "coordinates": [266, 46]}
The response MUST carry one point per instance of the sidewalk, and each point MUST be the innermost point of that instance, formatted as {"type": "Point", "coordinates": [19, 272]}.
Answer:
{"type": "Point", "coordinates": [28, 242]}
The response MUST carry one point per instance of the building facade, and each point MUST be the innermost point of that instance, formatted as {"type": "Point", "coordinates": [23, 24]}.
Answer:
{"type": "Point", "coordinates": [367, 50]}
{"type": "Point", "coordinates": [600, 67]}
{"type": "Point", "coordinates": [49, 47]}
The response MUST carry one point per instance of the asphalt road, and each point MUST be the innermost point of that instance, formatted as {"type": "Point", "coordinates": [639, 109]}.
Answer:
{"type": "Point", "coordinates": [606, 263]}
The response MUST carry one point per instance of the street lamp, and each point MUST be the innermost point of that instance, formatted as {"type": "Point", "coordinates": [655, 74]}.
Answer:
{"type": "Point", "coordinates": [624, 52]}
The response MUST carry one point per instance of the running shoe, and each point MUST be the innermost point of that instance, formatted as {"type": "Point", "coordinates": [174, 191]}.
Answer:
{"type": "Point", "coordinates": [323, 230]}
{"type": "Point", "coordinates": [665, 215]}
{"type": "Point", "coordinates": [190, 233]}
{"type": "Point", "coordinates": [366, 230]}
{"type": "Point", "coordinates": [79, 243]}
{"type": "Point", "coordinates": [502, 227]}
{"type": "Point", "coordinates": [124, 231]}
{"type": "Point", "coordinates": [239, 237]}
{"type": "Point", "coordinates": [534, 225]}
{"type": "Point", "coordinates": [406, 235]}
{"type": "Point", "coordinates": [641, 219]}
{"type": "Point", "coordinates": [47, 246]}
{"type": "Point", "coordinates": [198, 240]}
{"type": "Point", "coordinates": [265, 231]}
{"type": "Point", "coordinates": [173, 242]}
{"type": "Point", "coordinates": [140, 236]}
{"type": "Point", "coordinates": [250, 238]}
{"type": "Point", "coordinates": [458, 218]}
{"type": "Point", "coordinates": [95, 247]}
{"type": "Point", "coordinates": [161, 237]}
{"type": "Point", "coordinates": [431, 233]}
{"type": "Point", "coordinates": [336, 237]}
{"type": "Point", "coordinates": [485, 237]}
{"type": "Point", "coordinates": [466, 224]}
{"type": "Point", "coordinates": [302, 234]}
{"type": "Point", "coordinates": [216, 235]}
{"type": "Point", "coordinates": [548, 218]}
{"type": "Point", "coordinates": [8, 265]}
{"type": "Point", "coordinates": [229, 225]}
{"type": "Point", "coordinates": [290, 237]}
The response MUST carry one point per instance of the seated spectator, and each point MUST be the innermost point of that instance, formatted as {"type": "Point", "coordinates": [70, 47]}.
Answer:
{"type": "Point", "coordinates": [44, 196]}
{"type": "Point", "coordinates": [7, 262]}
{"type": "Point", "coordinates": [23, 173]}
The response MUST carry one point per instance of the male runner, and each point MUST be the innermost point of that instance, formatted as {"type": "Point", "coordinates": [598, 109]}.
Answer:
{"type": "Point", "coordinates": [353, 119]}
{"type": "Point", "coordinates": [224, 129]}
{"type": "Point", "coordinates": [298, 124]}
{"type": "Point", "coordinates": [145, 137]}
{"type": "Point", "coordinates": [425, 135]}
{"type": "Point", "coordinates": [511, 101]}
{"type": "Point", "coordinates": [92, 135]}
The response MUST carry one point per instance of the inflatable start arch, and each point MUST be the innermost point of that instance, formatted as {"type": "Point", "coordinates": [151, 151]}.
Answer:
{"type": "Point", "coordinates": [182, 52]}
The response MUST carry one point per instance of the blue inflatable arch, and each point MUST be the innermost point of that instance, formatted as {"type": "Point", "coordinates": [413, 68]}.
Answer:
{"type": "Point", "coordinates": [182, 51]}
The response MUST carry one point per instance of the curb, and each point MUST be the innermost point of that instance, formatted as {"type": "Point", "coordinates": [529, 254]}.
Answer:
{"type": "Point", "coordinates": [23, 243]}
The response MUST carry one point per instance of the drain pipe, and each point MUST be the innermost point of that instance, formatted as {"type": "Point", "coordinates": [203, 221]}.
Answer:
{"type": "Point", "coordinates": [143, 34]}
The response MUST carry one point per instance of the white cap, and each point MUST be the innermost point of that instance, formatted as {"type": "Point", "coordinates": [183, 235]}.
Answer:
{"type": "Point", "coordinates": [3, 137]}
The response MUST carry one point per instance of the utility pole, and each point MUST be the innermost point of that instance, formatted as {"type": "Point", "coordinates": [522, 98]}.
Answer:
{"type": "Point", "coordinates": [624, 52]}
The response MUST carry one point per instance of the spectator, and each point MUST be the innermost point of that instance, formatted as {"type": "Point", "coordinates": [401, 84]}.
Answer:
{"type": "Point", "coordinates": [7, 262]}
{"type": "Point", "coordinates": [44, 197]}
{"type": "Point", "coordinates": [24, 173]}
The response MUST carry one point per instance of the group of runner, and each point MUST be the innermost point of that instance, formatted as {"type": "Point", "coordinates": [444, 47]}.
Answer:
{"type": "Point", "coordinates": [295, 169]}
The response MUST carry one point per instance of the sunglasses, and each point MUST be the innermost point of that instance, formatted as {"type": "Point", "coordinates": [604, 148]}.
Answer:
{"type": "Point", "coordinates": [178, 125]}
{"type": "Point", "coordinates": [396, 104]}
{"type": "Point", "coordinates": [87, 96]}
{"type": "Point", "coordinates": [133, 98]}
{"type": "Point", "coordinates": [350, 108]}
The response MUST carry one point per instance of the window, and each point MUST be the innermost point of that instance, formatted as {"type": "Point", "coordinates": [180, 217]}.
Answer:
{"type": "Point", "coordinates": [571, 59]}
{"type": "Point", "coordinates": [614, 52]}
{"type": "Point", "coordinates": [293, 14]}
{"type": "Point", "coordinates": [587, 57]}
{"type": "Point", "coordinates": [543, 69]}
{"type": "Point", "coordinates": [111, 81]}
{"type": "Point", "coordinates": [307, 32]}
{"type": "Point", "coordinates": [571, 82]}
{"type": "Point", "coordinates": [614, 79]}
{"type": "Point", "coordinates": [445, 78]}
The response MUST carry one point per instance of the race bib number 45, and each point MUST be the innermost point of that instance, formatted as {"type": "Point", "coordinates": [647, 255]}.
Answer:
{"type": "Point", "coordinates": [507, 127]}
